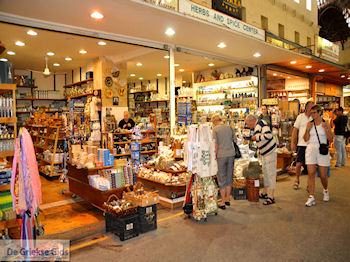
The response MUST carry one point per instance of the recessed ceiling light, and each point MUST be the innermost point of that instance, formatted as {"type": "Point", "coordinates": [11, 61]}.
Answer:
{"type": "Point", "coordinates": [257, 54]}
{"type": "Point", "coordinates": [221, 45]}
{"type": "Point", "coordinates": [68, 59]}
{"type": "Point", "coordinates": [170, 31]}
{"type": "Point", "coordinates": [293, 62]}
{"type": "Point", "coordinates": [102, 43]}
{"type": "Point", "coordinates": [141, 78]}
{"type": "Point", "coordinates": [11, 53]}
{"type": "Point", "coordinates": [308, 66]}
{"type": "Point", "coordinates": [139, 64]}
{"type": "Point", "coordinates": [166, 57]}
{"type": "Point", "coordinates": [342, 76]}
{"type": "Point", "coordinates": [50, 53]}
{"type": "Point", "coordinates": [56, 64]}
{"type": "Point", "coordinates": [82, 51]}
{"type": "Point", "coordinates": [181, 70]}
{"type": "Point", "coordinates": [159, 74]}
{"type": "Point", "coordinates": [176, 64]}
{"type": "Point", "coordinates": [3, 59]}
{"type": "Point", "coordinates": [19, 43]}
{"type": "Point", "coordinates": [31, 32]}
{"type": "Point", "coordinates": [348, 77]}
{"type": "Point", "coordinates": [184, 81]}
{"type": "Point", "coordinates": [274, 74]}
{"type": "Point", "coordinates": [321, 70]}
{"type": "Point", "coordinates": [132, 75]}
{"type": "Point", "coordinates": [211, 64]}
{"type": "Point", "coordinates": [96, 15]}
{"type": "Point", "coordinates": [288, 77]}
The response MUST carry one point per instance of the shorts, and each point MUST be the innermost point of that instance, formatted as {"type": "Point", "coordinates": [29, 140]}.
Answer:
{"type": "Point", "coordinates": [301, 154]}
{"type": "Point", "coordinates": [225, 171]}
{"type": "Point", "coordinates": [313, 157]}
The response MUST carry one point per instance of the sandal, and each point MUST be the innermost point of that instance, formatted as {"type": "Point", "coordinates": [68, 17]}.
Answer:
{"type": "Point", "coordinates": [263, 196]}
{"type": "Point", "coordinates": [269, 201]}
{"type": "Point", "coordinates": [296, 185]}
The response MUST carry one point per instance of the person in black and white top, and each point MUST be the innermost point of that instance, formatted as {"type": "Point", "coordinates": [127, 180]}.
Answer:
{"type": "Point", "coordinates": [317, 132]}
{"type": "Point", "coordinates": [268, 151]}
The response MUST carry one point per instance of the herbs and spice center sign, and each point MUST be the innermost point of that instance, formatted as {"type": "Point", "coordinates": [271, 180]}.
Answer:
{"type": "Point", "coordinates": [229, 7]}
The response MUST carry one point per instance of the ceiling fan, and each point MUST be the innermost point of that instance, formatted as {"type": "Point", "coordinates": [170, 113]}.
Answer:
{"type": "Point", "coordinates": [46, 71]}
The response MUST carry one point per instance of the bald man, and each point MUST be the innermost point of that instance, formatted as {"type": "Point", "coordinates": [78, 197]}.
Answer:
{"type": "Point", "coordinates": [126, 122]}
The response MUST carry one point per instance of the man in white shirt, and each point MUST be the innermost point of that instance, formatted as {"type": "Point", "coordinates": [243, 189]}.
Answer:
{"type": "Point", "coordinates": [298, 143]}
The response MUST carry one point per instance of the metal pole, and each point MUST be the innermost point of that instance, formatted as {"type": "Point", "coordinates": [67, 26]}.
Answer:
{"type": "Point", "coordinates": [172, 89]}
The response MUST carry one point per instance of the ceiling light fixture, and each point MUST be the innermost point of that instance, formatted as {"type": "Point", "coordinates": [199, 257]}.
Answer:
{"type": "Point", "coordinates": [68, 59]}
{"type": "Point", "coordinates": [96, 15]}
{"type": "Point", "coordinates": [166, 57]}
{"type": "Point", "coordinates": [159, 74]}
{"type": "Point", "coordinates": [3, 59]}
{"type": "Point", "coordinates": [82, 51]}
{"type": "Point", "coordinates": [56, 64]}
{"type": "Point", "coordinates": [288, 77]}
{"type": "Point", "coordinates": [176, 64]}
{"type": "Point", "coordinates": [348, 77]}
{"type": "Point", "coordinates": [184, 81]}
{"type": "Point", "coordinates": [181, 70]}
{"type": "Point", "coordinates": [342, 76]}
{"type": "Point", "coordinates": [221, 45]}
{"type": "Point", "coordinates": [139, 64]}
{"type": "Point", "coordinates": [321, 70]}
{"type": "Point", "coordinates": [293, 62]}
{"type": "Point", "coordinates": [19, 43]}
{"type": "Point", "coordinates": [102, 43]}
{"type": "Point", "coordinates": [257, 54]}
{"type": "Point", "coordinates": [211, 64]}
{"type": "Point", "coordinates": [274, 74]}
{"type": "Point", "coordinates": [141, 78]}
{"type": "Point", "coordinates": [308, 66]}
{"type": "Point", "coordinates": [31, 32]}
{"type": "Point", "coordinates": [170, 31]}
{"type": "Point", "coordinates": [11, 53]}
{"type": "Point", "coordinates": [50, 53]}
{"type": "Point", "coordinates": [132, 75]}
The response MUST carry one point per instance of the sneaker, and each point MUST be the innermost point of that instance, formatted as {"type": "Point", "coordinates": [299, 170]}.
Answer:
{"type": "Point", "coordinates": [325, 195]}
{"type": "Point", "coordinates": [310, 201]}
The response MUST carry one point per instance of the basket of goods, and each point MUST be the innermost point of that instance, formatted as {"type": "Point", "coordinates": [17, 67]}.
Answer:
{"type": "Point", "coordinates": [119, 208]}
{"type": "Point", "coordinates": [140, 197]}
{"type": "Point", "coordinates": [239, 182]}
{"type": "Point", "coordinates": [252, 175]}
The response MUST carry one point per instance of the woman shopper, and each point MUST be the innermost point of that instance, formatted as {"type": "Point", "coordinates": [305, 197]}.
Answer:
{"type": "Point", "coordinates": [225, 151]}
{"type": "Point", "coordinates": [317, 135]}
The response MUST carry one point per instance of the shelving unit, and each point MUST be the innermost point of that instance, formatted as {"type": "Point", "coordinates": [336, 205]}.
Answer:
{"type": "Point", "coordinates": [79, 83]}
{"type": "Point", "coordinates": [40, 147]}
{"type": "Point", "coordinates": [5, 88]}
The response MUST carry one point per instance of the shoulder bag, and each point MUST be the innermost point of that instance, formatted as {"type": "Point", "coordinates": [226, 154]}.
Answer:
{"type": "Point", "coordinates": [323, 147]}
{"type": "Point", "coordinates": [237, 151]}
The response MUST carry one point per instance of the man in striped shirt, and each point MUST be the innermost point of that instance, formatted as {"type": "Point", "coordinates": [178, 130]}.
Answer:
{"type": "Point", "coordinates": [268, 151]}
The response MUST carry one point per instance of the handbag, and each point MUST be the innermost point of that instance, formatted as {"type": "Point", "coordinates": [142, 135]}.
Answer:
{"type": "Point", "coordinates": [323, 147]}
{"type": "Point", "coordinates": [237, 151]}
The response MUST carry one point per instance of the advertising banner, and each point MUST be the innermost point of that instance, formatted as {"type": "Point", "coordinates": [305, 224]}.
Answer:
{"type": "Point", "coordinates": [230, 7]}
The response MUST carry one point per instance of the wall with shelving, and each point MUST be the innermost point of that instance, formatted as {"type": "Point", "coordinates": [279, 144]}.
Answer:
{"type": "Point", "coordinates": [230, 70]}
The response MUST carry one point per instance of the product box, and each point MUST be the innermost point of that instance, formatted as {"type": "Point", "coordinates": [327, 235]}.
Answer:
{"type": "Point", "coordinates": [135, 155]}
{"type": "Point", "coordinates": [135, 146]}
{"type": "Point", "coordinates": [239, 193]}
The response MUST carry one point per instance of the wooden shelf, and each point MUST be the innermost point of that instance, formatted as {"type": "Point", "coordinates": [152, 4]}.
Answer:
{"type": "Point", "coordinates": [129, 133]}
{"type": "Point", "coordinates": [23, 112]}
{"type": "Point", "coordinates": [32, 87]}
{"type": "Point", "coordinates": [148, 152]}
{"type": "Point", "coordinates": [211, 105]}
{"type": "Point", "coordinates": [79, 83]}
{"type": "Point", "coordinates": [147, 91]}
{"type": "Point", "coordinates": [155, 101]}
{"type": "Point", "coordinates": [8, 87]}
{"type": "Point", "coordinates": [122, 143]}
{"type": "Point", "coordinates": [6, 153]}
{"type": "Point", "coordinates": [165, 170]}
{"type": "Point", "coordinates": [219, 93]}
{"type": "Point", "coordinates": [5, 187]}
{"type": "Point", "coordinates": [41, 99]}
{"type": "Point", "coordinates": [128, 142]}
{"type": "Point", "coordinates": [126, 154]}
{"type": "Point", "coordinates": [8, 120]}
{"type": "Point", "coordinates": [49, 162]}
{"type": "Point", "coordinates": [49, 175]}
{"type": "Point", "coordinates": [73, 97]}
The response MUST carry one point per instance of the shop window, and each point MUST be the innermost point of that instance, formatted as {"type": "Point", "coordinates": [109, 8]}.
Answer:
{"type": "Point", "coordinates": [296, 37]}
{"type": "Point", "coordinates": [264, 23]}
{"type": "Point", "coordinates": [281, 30]}
{"type": "Point", "coordinates": [308, 42]}
{"type": "Point", "coordinates": [308, 5]}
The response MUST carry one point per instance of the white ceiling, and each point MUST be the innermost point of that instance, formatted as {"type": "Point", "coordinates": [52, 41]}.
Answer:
{"type": "Point", "coordinates": [143, 22]}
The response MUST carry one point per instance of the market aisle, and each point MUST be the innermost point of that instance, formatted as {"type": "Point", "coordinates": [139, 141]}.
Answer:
{"type": "Point", "coordinates": [287, 231]}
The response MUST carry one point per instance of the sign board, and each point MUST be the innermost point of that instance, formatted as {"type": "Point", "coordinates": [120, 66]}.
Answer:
{"type": "Point", "coordinates": [327, 49]}
{"type": "Point", "coordinates": [169, 4]}
{"type": "Point", "coordinates": [230, 7]}
{"type": "Point", "coordinates": [270, 101]}
{"type": "Point", "coordinates": [218, 18]}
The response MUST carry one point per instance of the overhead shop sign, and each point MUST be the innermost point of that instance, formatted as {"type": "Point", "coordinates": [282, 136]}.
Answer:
{"type": "Point", "coordinates": [215, 17]}
{"type": "Point", "coordinates": [169, 4]}
{"type": "Point", "coordinates": [327, 49]}
{"type": "Point", "coordinates": [229, 7]}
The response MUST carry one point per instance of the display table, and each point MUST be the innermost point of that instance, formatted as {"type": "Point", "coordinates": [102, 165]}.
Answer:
{"type": "Point", "coordinates": [79, 185]}
{"type": "Point", "coordinates": [283, 161]}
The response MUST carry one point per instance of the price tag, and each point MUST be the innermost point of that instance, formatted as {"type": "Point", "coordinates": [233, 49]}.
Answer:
{"type": "Point", "coordinates": [257, 183]}
{"type": "Point", "coordinates": [130, 226]}
{"type": "Point", "coordinates": [148, 210]}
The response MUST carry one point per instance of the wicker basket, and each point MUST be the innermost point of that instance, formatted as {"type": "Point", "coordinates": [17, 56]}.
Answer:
{"type": "Point", "coordinates": [126, 212]}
